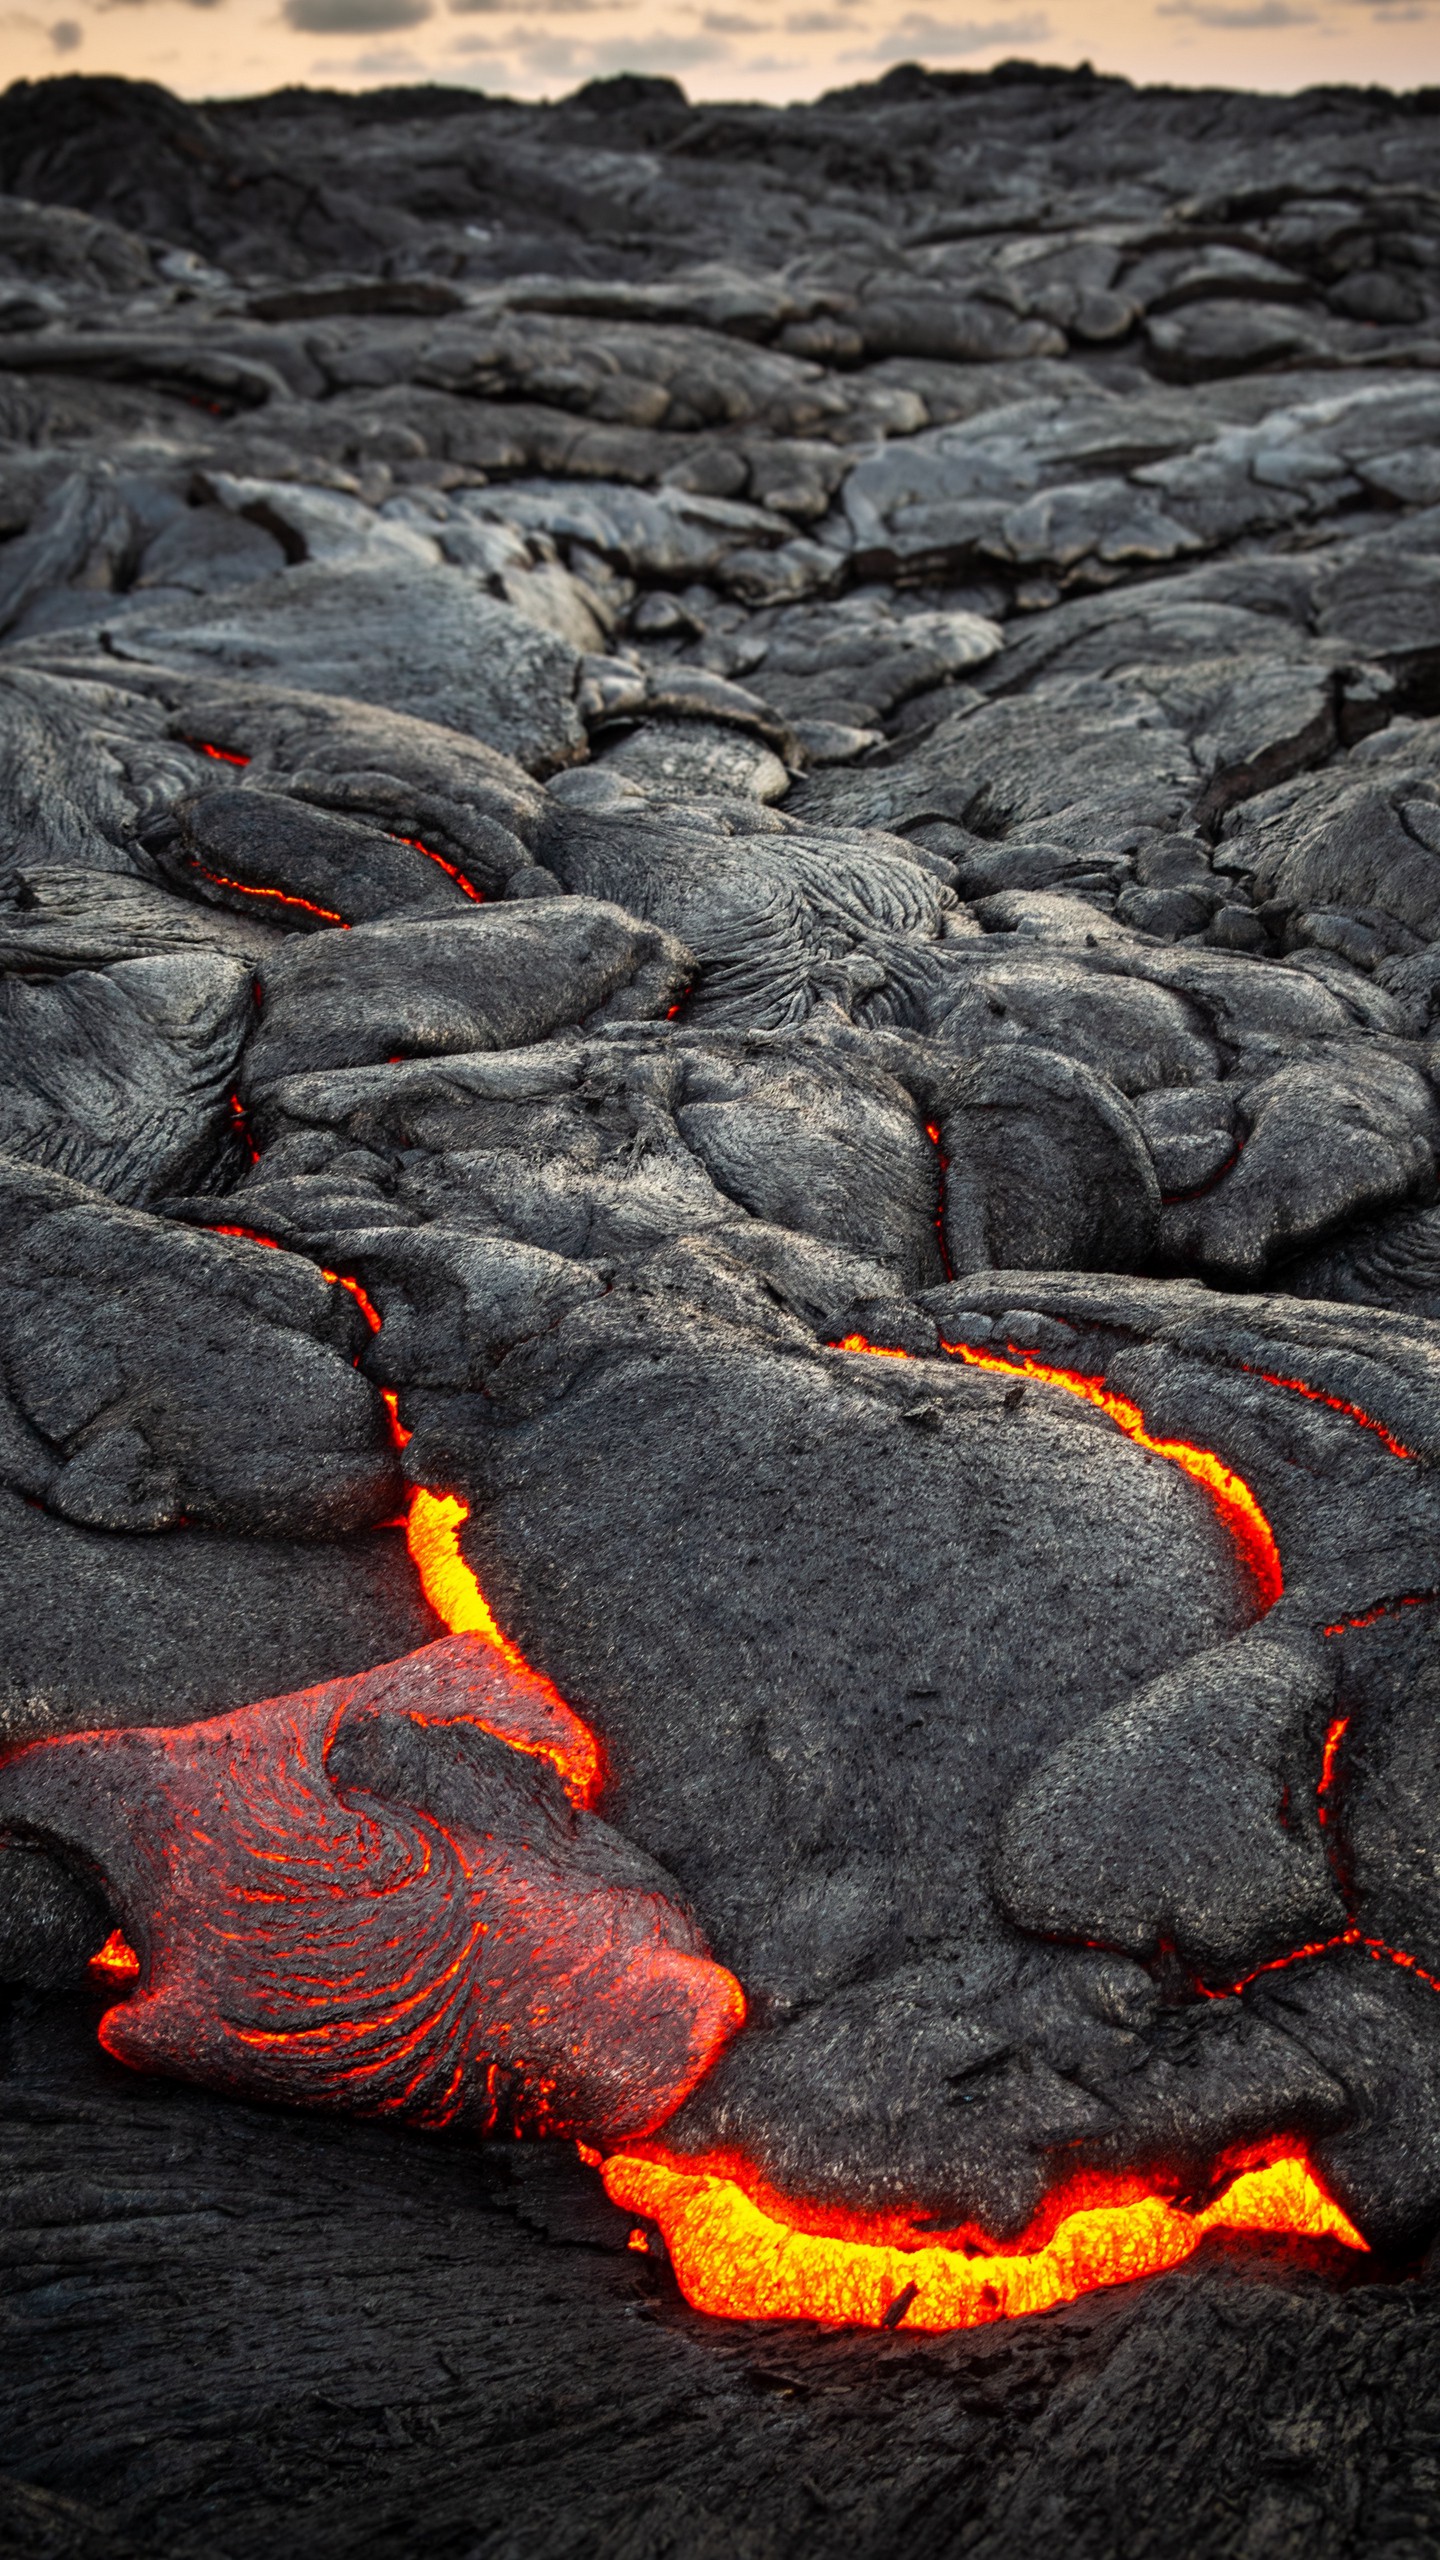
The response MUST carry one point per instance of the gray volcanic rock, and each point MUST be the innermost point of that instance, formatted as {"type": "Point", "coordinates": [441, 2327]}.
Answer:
{"type": "Point", "coordinates": [492, 978]}
{"type": "Point", "coordinates": [409, 637]}
{"type": "Point", "coordinates": [154, 1378]}
{"type": "Point", "coordinates": [720, 936]}
{"type": "Point", "coordinates": [122, 1077]}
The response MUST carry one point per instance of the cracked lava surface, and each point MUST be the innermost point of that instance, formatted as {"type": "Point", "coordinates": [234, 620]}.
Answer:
{"type": "Point", "coordinates": [719, 1267]}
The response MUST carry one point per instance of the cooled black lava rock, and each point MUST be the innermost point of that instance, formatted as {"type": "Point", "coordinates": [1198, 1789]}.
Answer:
{"type": "Point", "coordinates": [669, 738]}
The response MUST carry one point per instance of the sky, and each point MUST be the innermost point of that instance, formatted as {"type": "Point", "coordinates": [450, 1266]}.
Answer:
{"type": "Point", "coordinates": [761, 49]}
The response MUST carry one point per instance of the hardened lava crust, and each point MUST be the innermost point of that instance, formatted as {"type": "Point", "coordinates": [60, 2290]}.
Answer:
{"type": "Point", "coordinates": [720, 1323]}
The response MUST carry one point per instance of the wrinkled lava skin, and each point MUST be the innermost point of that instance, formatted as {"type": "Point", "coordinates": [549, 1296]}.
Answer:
{"type": "Point", "coordinates": [358, 1898]}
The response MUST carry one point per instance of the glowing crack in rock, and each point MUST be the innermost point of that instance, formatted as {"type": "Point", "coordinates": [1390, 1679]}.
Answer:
{"type": "Point", "coordinates": [1246, 1521]}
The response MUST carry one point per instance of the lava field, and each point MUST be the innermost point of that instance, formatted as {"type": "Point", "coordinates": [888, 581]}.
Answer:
{"type": "Point", "coordinates": [720, 1324]}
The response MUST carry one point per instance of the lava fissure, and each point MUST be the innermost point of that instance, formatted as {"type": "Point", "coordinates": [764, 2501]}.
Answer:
{"type": "Point", "coordinates": [249, 889]}
{"type": "Point", "coordinates": [458, 876]}
{"type": "Point", "coordinates": [337, 1279]}
{"type": "Point", "coordinates": [1379, 1609]}
{"type": "Point", "coordinates": [1352, 1935]}
{"type": "Point", "coordinates": [932, 1132]}
{"type": "Point", "coordinates": [1246, 1521]}
{"type": "Point", "coordinates": [1352, 1412]}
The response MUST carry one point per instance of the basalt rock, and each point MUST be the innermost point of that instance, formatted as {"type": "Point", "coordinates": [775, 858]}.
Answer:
{"type": "Point", "coordinates": [719, 1253]}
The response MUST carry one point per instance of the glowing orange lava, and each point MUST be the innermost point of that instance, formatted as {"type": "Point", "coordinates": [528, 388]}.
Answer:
{"type": "Point", "coordinates": [114, 1963]}
{"type": "Point", "coordinates": [432, 1533]}
{"type": "Point", "coordinates": [932, 1132]}
{"type": "Point", "coordinates": [1336, 1404]}
{"type": "Point", "coordinates": [221, 755]}
{"type": "Point", "coordinates": [1338, 1728]}
{"type": "Point", "coordinates": [1243, 1516]}
{"type": "Point", "coordinates": [742, 2259]}
{"type": "Point", "coordinates": [248, 889]}
{"type": "Point", "coordinates": [1383, 1609]}
{"type": "Point", "coordinates": [439, 860]}
{"type": "Point", "coordinates": [337, 1279]}
{"type": "Point", "coordinates": [342, 1280]}
{"type": "Point", "coordinates": [1379, 1951]}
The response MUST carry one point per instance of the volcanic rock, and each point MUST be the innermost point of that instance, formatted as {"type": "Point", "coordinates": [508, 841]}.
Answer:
{"type": "Point", "coordinates": [719, 1238]}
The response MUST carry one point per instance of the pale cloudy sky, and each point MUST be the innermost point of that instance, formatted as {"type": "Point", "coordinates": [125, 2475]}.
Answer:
{"type": "Point", "coordinates": [772, 49]}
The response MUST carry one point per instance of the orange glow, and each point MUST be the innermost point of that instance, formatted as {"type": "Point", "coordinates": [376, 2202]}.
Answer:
{"type": "Point", "coordinates": [341, 1280]}
{"type": "Point", "coordinates": [1339, 1727]}
{"type": "Point", "coordinates": [1352, 1412]}
{"type": "Point", "coordinates": [324, 1946]}
{"type": "Point", "coordinates": [432, 1534]}
{"type": "Point", "coordinates": [115, 1963]}
{"type": "Point", "coordinates": [242, 1127]}
{"type": "Point", "coordinates": [932, 1132]}
{"type": "Point", "coordinates": [248, 889]}
{"type": "Point", "coordinates": [744, 2259]}
{"type": "Point", "coordinates": [1242, 1513]}
{"type": "Point", "coordinates": [439, 859]}
{"type": "Point", "coordinates": [1246, 1521]}
{"type": "Point", "coordinates": [1378, 1949]}
{"type": "Point", "coordinates": [221, 755]}
{"type": "Point", "coordinates": [337, 1280]}
{"type": "Point", "coordinates": [1382, 1609]}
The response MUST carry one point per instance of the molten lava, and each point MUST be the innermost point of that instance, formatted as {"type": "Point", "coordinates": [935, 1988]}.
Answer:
{"type": "Point", "coordinates": [432, 1534]}
{"type": "Point", "coordinates": [337, 1279]}
{"type": "Point", "coordinates": [310, 1932]}
{"type": "Point", "coordinates": [1243, 1516]}
{"type": "Point", "coordinates": [1352, 1412]}
{"type": "Point", "coordinates": [115, 1963]}
{"type": "Point", "coordinates": [744, 2257]}
{"type": "Point", "coordinates": [458, 876]}
{"type": "Point", "coordinates": [389, 2030]}
{"type": "Point", "coordinates": [932, 1132]}
{"type": "Point", "coordinates": [248, 889]}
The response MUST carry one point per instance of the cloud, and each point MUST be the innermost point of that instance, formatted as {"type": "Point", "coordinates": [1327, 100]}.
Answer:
{"type": "Point", "coordinates": [560, 57]}
{"type": "Point", "coordinates": [816, 22]}
{"type": "Point", "coordinates": [66, 34]}
{"type": "Point", "coordinates": [1248, 13]}
{"type": "Point", "coordinates": [527, 8]}
{"type": "Point", "coordinates": [355, 17]}
{"type": "Point", "coordinates": [724, 22]}
{"type": "Point", "coordinates": [920, 38]}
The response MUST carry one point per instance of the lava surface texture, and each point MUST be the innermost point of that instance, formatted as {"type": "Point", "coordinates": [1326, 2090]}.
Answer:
{"type": "Point", "coordinates": [720, 1323]}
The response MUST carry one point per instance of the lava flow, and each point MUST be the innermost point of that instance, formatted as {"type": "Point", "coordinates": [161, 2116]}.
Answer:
{"type": "Point", "coordinates": [745, 2258]}
{"type": "Point", "coordinates": [467, 887]}
{"type": "Point", "coordinates": [249, 889]}
{"type": "Point", "coordinates": [738, 2249]}
{"type": "Point", "coordinates": [432, 1533]}
{"type": "Point", "coordinates": [745, 2253]}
